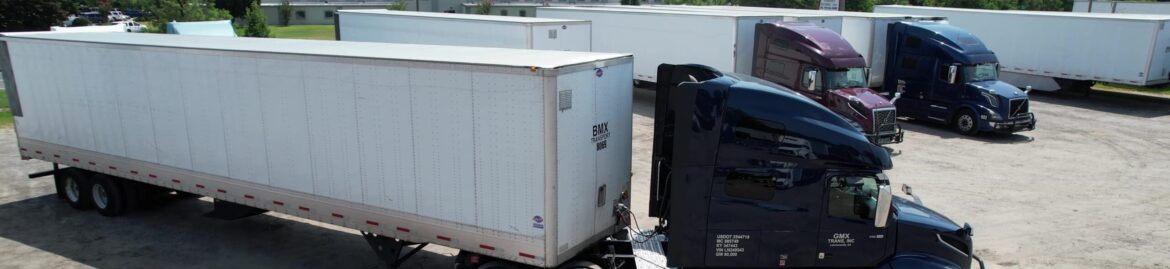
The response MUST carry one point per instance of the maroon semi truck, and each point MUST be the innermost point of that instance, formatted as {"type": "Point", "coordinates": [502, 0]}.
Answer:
{"type": "Point", "coordinates": [820, 64]}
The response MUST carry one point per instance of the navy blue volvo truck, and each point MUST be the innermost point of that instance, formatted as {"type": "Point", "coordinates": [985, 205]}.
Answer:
{"type": "Point", "coordinates": [947, 75]}
{"type": "Point", "coordinates": [749, 174]}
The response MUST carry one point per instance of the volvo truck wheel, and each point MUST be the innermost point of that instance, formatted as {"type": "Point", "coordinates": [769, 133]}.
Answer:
{"type": "Point", "coordinates": [965, 122]}
{"type": "Point", "coordinates": [74, 186]}
{"type": "Point", "coordinates": [108, 196]}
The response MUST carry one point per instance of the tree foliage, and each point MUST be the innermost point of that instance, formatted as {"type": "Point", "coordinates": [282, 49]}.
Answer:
{"type": "Point", "coordinates": [30, 15]}
{"type": "Point", "coordinates": [284, 13]}
{"type": "Point", "coordinates": [631, 2]}
{"type": "Point", "coordinates": [399, 5]}
{"type": "Point", "coordinates": [484, 7]}
{"type": "Point", "coordinates": [255, 23]}
{"type": "Point", "coordinates": [183, 10]}
{"type": "Point", "coordinates": [238, 8]}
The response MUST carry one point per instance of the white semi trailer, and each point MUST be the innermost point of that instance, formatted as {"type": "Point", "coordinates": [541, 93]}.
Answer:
{"type": "Point", "coordinates": [719, 39]}
{"type": "Point", "coordinates": [1064, 50]}
{"type": "Point", "coordinates": [519, 155]}
{"type": "Point", "coordinates": [1126, 7]}
{"type": "Point", "coordinates": [474, 30]}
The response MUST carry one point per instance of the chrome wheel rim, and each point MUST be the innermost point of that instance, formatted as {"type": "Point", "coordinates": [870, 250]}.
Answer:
{"type": "Point", "coordinates": [966, 123]}
{"type": "Point", "coordinates": [99, 196]}
{"type": "Point", "coordinates": [72, 190]}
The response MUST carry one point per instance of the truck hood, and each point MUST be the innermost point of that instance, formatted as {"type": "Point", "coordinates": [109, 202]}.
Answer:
{"type": "Point", "coordinates": [910, 212]}
{"type": "Point", "coordinates": [998, 88]}
{"type": "Point", "coordinates": [869, 98]}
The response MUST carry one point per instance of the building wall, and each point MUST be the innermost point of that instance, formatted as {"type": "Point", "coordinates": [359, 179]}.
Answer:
{"type": "Point", "coordinates": [311, 15]}
{"type": "Point", "coordinates": [514, 11]}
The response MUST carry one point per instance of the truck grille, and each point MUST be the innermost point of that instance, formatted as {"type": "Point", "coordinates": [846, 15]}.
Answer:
{"type": "Point", "coordinates": [1019, 108]}
{"type": "Point", "coordinates": [885, 120]}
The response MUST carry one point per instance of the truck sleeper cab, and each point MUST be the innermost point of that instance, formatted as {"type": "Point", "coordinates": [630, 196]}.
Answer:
{"type": "Point", "coordinates": [821, 65]}
{"type": "Point", "coordinates": [945, 74]}
{"type": "Point", "coordinates": [749, 174]}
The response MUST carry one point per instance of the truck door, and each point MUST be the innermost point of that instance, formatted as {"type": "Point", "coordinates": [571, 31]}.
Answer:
{"type": "Point", "coordinates": [847, 237]}
{"type": "Point", "coordinates": [944, 95]}
{"type": "Point", "coordinates": [914, 75]}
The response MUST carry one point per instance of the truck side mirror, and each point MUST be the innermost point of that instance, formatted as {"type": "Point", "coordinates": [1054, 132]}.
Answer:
{"type": "Point", "coordinates": [952, 71]}
{"type": "Point", "coordinates": [885, 198]}
{"type": "Point", "coordinates": [896, 96]}
{"type": "Point", "coordinates": [812, 79]}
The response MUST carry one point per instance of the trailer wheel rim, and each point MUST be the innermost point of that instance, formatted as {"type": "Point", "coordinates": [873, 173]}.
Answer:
{"type": "Point", "coordinates": [72, 190]}
{"type": "Point", "coordinates": [966, 123]}
{"type": "Point", "coordinates": [100, 199]}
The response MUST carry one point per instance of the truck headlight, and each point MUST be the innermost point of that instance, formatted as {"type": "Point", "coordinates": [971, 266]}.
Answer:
{"type": "Point", "coordinates": [991, 99]}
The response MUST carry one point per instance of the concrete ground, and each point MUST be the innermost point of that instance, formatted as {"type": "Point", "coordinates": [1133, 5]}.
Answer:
{"type": "Point", "coordinates": [1086, 190]}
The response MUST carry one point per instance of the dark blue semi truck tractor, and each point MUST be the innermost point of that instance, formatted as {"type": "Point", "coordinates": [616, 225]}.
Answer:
{"type": "Point", "coordinates": [749, 174]}
{"type": "Point", "coordinates": [947, 75]}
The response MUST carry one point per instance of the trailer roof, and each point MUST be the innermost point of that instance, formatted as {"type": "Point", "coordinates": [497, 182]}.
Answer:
{"type": "Point", "coordinates": [1120, 16]}
{"type": "Point", "coordinates": [368, 50]}
{"type": "Point", "coordinates": [458, 16]}
{"type": "Point", "coordinates": [792, 11]}
{"type": "Point", "coordinates": [633, 9]}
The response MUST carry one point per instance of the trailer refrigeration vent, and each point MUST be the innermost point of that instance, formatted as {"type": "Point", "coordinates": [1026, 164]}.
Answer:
{"type": "Point", "coordinates": [565, 99]}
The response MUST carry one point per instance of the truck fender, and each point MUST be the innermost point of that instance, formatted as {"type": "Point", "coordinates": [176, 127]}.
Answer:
{"type": "Point", "coordinates": [918, 260]}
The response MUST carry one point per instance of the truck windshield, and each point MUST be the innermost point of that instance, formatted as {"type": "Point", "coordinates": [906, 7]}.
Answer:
{"type": "Point", "coordinates": [980, 72]}
{"type": "Point", "coordinates": [845, 78]}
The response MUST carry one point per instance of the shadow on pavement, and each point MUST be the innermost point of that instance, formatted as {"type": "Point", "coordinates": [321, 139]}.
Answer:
{"type": "Point", "coordinates": [644, 102]}
{"type": "Point", "coordinates": [944, 132]}
{"type": "Point", "coordinates": [1108, 103]}
{"type": "Point", "coordinates": [176, 235]}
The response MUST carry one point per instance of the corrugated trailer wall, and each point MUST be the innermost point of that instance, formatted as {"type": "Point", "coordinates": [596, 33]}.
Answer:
{"type": "Point", "coordinates": [460, 148]}
{"type": "Point", "coordinates": [463, 30]}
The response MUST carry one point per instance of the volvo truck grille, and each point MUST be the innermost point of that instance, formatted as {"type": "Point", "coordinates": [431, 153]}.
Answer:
{"type": "Point", "coordinates": [1019, 107]}
{"type": "Point", "coordinates": [885, 120]}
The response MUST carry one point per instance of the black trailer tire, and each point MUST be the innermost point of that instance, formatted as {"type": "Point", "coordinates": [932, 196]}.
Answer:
{"type": "Point", "coordinates": [498, 265]}
{"type": "Point", "coordinates": [133, 191]}
{"type": "Point", "coordinates": [108, 195]}
{"type": "Point", "coordinates": [580, 264]}
{"type": "Point", "coordinates": [74, 185]}
{"type": "Point", "coordinates": [965, 122]}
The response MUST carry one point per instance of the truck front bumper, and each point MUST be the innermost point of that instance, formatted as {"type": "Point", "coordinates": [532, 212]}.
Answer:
{"type": "Point", "coordinates": [1019, 124]}
{"type": "Point", "coordinates": [891, 137]}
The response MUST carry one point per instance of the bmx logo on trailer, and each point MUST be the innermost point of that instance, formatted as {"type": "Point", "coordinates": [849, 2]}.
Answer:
{"type": "Point", "coordinates": [600, 134]}
{"type": "Point", "coordinates": [538, 222]}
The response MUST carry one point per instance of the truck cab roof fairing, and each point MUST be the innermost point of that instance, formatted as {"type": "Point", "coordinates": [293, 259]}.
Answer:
{"type": "Point", "coordinates": [961, 45]}
{"type": "Point", "coordinates": [834, 50]}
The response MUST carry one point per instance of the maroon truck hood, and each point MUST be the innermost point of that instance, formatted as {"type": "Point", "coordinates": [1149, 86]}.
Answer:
{"type": "Point", "coordinates": [868, 97]}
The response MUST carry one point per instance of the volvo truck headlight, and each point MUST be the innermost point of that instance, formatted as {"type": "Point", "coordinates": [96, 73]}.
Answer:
{"type": "Point", "coordinates": [991, 99]}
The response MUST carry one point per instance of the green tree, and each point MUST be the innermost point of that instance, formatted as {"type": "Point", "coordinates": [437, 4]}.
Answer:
{"type": "Point", "coordinates": [238, 8]}
{"type": "Point", "coordinates": [284, 13]}
{"type": "Point", "coordinates": [80, 21]}
{"type": "Point", "coordinates": [484, 7]}
{"type": "Point", "coordinates": [30, 15]}
{"type": "Point", "coordinates": [183, 10]}
{"type": "Point", "coordinates": [631, 2]}
{"type": "Point", "coordinates": [255, 23]}
{"type": "Point", "coordinates": [399, 5]}
{"type": "Point", "coordinates": [858, 5]}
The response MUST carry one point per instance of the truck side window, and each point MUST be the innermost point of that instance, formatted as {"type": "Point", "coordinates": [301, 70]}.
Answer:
{"type": "Point", "coordinates": [909, 63]}
{"type": "Point", "coordinates": [853, 197]}
{"type": "Point", "coordinates": [756, 184]}
{"type": "Point", "coordinates": [774, 69]}
{"type": "Point", "coordinates": [913, 42]}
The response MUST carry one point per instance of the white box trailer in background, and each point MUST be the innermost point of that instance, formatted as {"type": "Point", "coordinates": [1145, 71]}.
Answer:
{"type": "Point", "coordinates": [1124, 7]}
{"type": "Point", "coordinates": [1055, 50]}
{"type": "Point", "coordinates": [866, 32]}
{"type": "Point", "coordinates": [489, 150]}
{"type": "Point", "coordinates": [720, 39]}
{"type": "Point", "coordinates": [473, 30]}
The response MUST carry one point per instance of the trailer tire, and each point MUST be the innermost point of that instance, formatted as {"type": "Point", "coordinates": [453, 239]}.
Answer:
{"type": "Point", "coordinates": [74, 185]}
{"type": "Point", "coordinates": [109, 197]}
{"type": "Point", "coordinates": [965, 122]}
{"type": "Point", "coordinates": [498, 265]}
{"type": "Point", "coordinates": [580, 264]}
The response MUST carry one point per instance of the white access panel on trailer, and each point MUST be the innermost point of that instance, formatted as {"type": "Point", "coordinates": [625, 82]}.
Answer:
{"type": "Point", "coordinates": [1119, 48]}
{"type": "Point", "coordinates": [722, 40]}
{"type": "Point", "coordinates": [495, 151]}
{"type": "Point", "coordinates": [431, 28]}
{"type": "Point", "coordinates": [866, 32]}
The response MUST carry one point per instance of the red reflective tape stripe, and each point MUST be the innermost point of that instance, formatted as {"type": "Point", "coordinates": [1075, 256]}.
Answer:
{"type": "Point", "coordinates": [335, 215]}
{"type": "Point", "coordinates": [199, 186]}
{"type": "Point", "coordinates": [92, 163]}
{"type": "Point", "coordinates": [152, 176]}
{"type": "Point", "coordinates": [112, 168]}
{"type": "Point", "coordinates": [303, 208]}
{"type": "Point", "coordinates": [278, 202]}
{"type": "Point", "coordinates": [403, 229]}
{"type": "Point", "coordinates": [56, 156]}
{"type": "Point", "coordinates": [176, 181]}
{"type": "Point", "coordinates": [526, 255]}
{"type": "Point", "coordinates": [38, 152]}
{"type": "Point", "coordinates": [370, 222]}
{"type": "Point", "coordinates": [221, 190]}
{"type": "Point", "coordinates": [444, 238]}
{"type": "Point", "coordinates": [487, 247]}
{"type": "Point", "coordinates": [249, 196]}
{"type": "Point", "coordinates": [133, 172]}
{"type": "Point", "coordinates": [76, 160]}
{"type": "Point", "coordinates": [23, 149]}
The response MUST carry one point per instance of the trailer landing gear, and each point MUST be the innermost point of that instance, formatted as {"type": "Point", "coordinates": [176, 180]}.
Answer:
{"type": "Point", "coordinates": [390, 249]}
